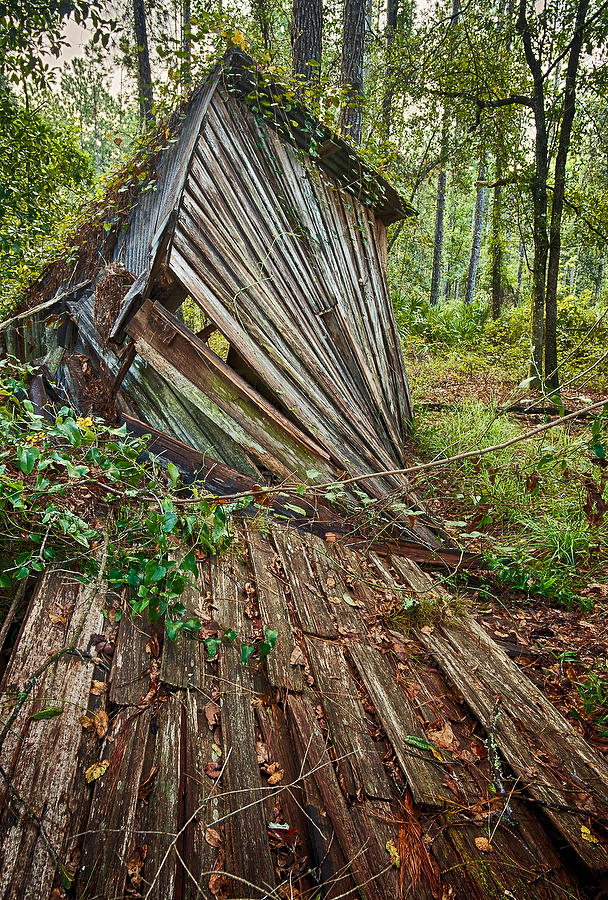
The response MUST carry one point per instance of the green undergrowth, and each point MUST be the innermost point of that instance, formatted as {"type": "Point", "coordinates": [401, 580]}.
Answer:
{"type": "Point", "coordinates": [537, 509]}
{"type": "Point", "coordinates": [85, 496]}
{"type": "Point", "coordinates": [459, 337]}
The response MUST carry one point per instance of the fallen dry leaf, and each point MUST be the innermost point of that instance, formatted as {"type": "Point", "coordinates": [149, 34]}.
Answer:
{"type": "Point", "coordinates": [297, 658]}
{"type": "Point", "coordinates": [59, 621]}
{"type": "Point", "coordinates": [145, 788]}
{"type": "Point", "coordinates": [275, 773]}
{"type": "Point", "coordinates": [331, 537]}
{"type": "Point", "coordinates": [135, 864]}
{"type": "Point", "coordinates": [98, 688]}
{"type": "Point", "coordinates": [213, 838]}
{"type": "Point", "coordinates": [213, 770]}
{"type": "Point", "coordinates": [96, 770]}
{"type": "Point", "coordinates": [443, 737]}
{"type": "Point", "coordinates": [262, 752]}
{"type": "Point", "coordinates": [483, 844]}
{"type": "Point", "coordinates": [212, 714]}
{"type": "Point", "coordinates": [101, 723]}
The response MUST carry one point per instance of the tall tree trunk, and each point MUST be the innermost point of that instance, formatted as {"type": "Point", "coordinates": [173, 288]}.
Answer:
{"type": "Point", "coordinates": [480, 200]}
{"type": "Point", "coordinates": [497, 242]}
{"type": "Point", "coordinates": [441, 184]}
{"type": "Point", "coordinates": [392, 8]}
{"type": "Point", "coordinates": [539, 199]}
{"type": "Point", "coordinates": [144, 72]}
{"type": "Point", "coordinates": [557, 205]}
{"type": "Point", "coordinates": [306, 38]}
{"type": "Point", "coordinates": [186, 42]}
{"type": "Point", "coordinates": [599, 279]}
{"type": "Point", "coordinates": [438, 243]}
{"type": "Point", "coordinates": [520, 272]}
{"type": "Point", "coordinates": [353, 48]}
{"type": "Point", "coordinates": [263, 17]}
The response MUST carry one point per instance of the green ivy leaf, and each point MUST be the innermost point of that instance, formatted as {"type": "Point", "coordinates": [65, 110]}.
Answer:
{"type": "Point", "coordinates": [188, 564]}
{"type": "Point", "coordinates": [173, 629]}
{"type": "Point", "coordinates": [173, 473]}
{"type": "Point", "coordinates": [271, 637]}
{"type": "Point", "coordinates": [27, 459]}
{"type": "Point", "coordinates": [246, 651]}
{"type": "Point", "coordinates": [212, 645]}
{"type": "Point", "coordinates": [49, 712]}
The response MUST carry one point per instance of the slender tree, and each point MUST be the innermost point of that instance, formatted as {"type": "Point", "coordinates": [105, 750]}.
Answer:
{"type": "Point", "coordinates": [441, 186]}
{"type": "Point", "coordinates": [478, 217]}
{"type": "Point", "coordinates": [497, 240]}
{"type": "Point", "coordinates": [392, 9]}
{"type": "Point", "coordinates": [353, 49]}
{"type": "Point", "coordinates": [144, 71]}
{"type": "Point", "coordinates": [307, 39]}
{"type": "Point", "coordinates": [559, 188]}
{"type": "Point", "coordinates": [438, 239]}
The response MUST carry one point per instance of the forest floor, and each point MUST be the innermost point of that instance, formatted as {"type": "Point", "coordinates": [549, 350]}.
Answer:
{"type": "Point", "coordinates": [537, 514]}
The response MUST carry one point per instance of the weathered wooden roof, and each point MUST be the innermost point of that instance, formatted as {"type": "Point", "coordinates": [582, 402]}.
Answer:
{"type": "Point", "coordinates": [296, 124]}
{"type": "Point", "coordinates": [356, 761]}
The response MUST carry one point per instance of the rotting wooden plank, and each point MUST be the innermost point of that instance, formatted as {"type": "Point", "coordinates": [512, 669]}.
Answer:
{"type": "Point", "coordinates": [247, 850]}
{"type": "Point", "coordinates": [558, 768]}
{"type": "Point", "coordinates": [425, 775]}
{"type": "Point", "coordinates": [330, 578]}
{"type": "Point", "coordinates": [274, 611]}
{"type": "Point", "coordinates": [183, 661]}
{"type": "Point", "coordinates": [372, 885]}
{"type": "Point", "coordinates": [161, 818]}
{"type": "Point", "coordinates": [331, 869]}
{"type": "Point", "coordinates": [359, 757]}
{"type": "Point", "coordinates": [110, 837]}
{"type": "Point", "coordinates": [204, 804]}
{"type": "Point", "coordinates": [308, 600]}
{"type": "Point", "coordinates": [380, 825]}
{"type": "Point", "coordinates": [521, 861]}
{"type": "Point", "coordinates": [277, 746]}
{"type": "Point", "coordinates": [49, 782]}
{"type": "Point", "coordinates": [130, 674]}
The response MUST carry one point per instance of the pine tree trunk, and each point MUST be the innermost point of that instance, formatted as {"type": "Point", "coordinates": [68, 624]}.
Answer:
{"type": "Point", "coordinates": [263, 17]}
{"type": "Point", "coordinates": [599, 279]}
{"type": "Point", "coordinates": [557, 206]}
{"type": "Point", "coordinates": [477, 234]}
{"type": "Point", "coordinates": [438, 244]}
{"type": "Point", "coordinates": [186, 42]}
{"type": "Point", "coordinates": [520, 272]}
{"type": "Point", "coordinates": [144, 72]}
{"type": "Point", "coordinates": [306, 38]}
{"type": "Point", "coordinates": [392, 8]}
{"type": "Point", "coordinates": [539, 199]}
{"type": "Point", "coordinates": [353, 47]}
{"type": "Point", "coordinates": [497, 243]}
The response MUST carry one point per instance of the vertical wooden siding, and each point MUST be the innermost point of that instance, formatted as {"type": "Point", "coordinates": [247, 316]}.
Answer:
{"type": "Point", "coordinates": [290, 269]}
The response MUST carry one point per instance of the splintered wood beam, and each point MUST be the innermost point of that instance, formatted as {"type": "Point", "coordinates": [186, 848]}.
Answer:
{"type": "Point", "coordinates": [248, 418]}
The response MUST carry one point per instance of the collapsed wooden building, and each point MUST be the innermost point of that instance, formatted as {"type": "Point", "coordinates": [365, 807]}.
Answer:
{"type": "Point", "coordinates": [357, 760]}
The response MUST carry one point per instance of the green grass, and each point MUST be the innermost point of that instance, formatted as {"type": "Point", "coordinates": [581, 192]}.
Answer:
{"type": "Point", "coordinates": [526, 502]}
